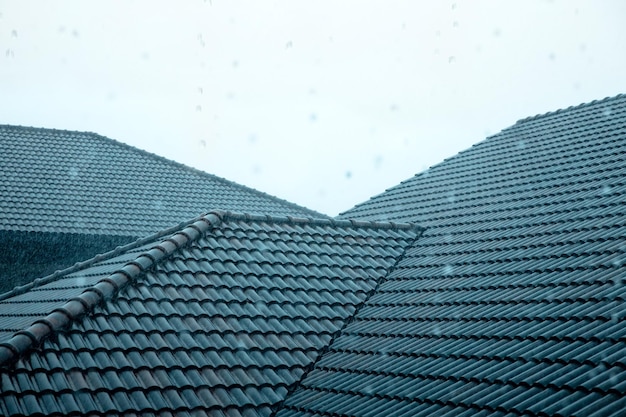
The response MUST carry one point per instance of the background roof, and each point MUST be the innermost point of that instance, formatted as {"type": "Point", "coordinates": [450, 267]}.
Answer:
{"type": "Point", "coordinates": [260, 92]}
{"type": "Point", "coordinates": [62, 181]}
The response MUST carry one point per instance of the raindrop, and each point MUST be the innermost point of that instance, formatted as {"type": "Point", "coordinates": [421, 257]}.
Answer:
{"type": "Point", "coordinates": [201, 40]}
{"type": "Point", "coordinates": [607, 112]}
{"type": "Point", "coordinates": [198, 108]}
{"type": "Point", "coordinates": [521, 144]}
{"type": "Point", "coordinates": [615, 317]}
{"type": "Point", "coordinates": [14, 33]}
{"type": "Point", "coordinates": [606, 190]}
{"type": "Point", "coordinates": [455, 24]}
{"type": "Point", "coordinates": [451, 197]}
{"type": "Point", "coordinates": [348, 174]}
{"type": "Point", "coordinates": [203, 143]}
{"type": "Point", "coordinates": [552, 56]}
{"type": "Point", "coordinates": [497, 32]}
{"type": "Point", "coordinates": [448, 269]}
{"type": "Point", "coordinates": [158, 205]}
{"type": "Point", "coordinates": [81, 280]}
{"type": "Point", "coordinates": [289, 45]}
{"type": "Point", "coordinates": [73, 172]}
{"type": "Point", "coordinates": [235, 64]}
{"type": "Point", "coordinates": [200, 90]}
{"type": "Point", "coordinates": [451, 59]}
{"type": "Point", "coordinates": [9, 53]}
{"type": "Point", "coordinates": [75, 33]}
{"type": "Point", "coordinates": [378, 160]}
{"type": "Point", "coordinates": [313, 117]}
{"type": "Point", "coordinates": [436, 330]}
{"type": "Point", "coordinates": [453, 6]}
{"type": "Point", "coordinates": [393, 107]}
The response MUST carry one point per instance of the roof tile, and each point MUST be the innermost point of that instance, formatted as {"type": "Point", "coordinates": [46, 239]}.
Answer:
{"type": "Point", "coordinates": [166, 334]}
{"type": "Point", "coordinates": [511, 299]}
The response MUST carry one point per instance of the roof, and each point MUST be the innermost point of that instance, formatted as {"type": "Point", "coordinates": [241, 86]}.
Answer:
{"type": "Point", "coordinates": [509, 302]}
{"type": "Point", "coordinates": [87, 183]}
{"type": "Point", "coordinates": [512, 300]}
{"type": "Point", "coordinates": [222, 315]}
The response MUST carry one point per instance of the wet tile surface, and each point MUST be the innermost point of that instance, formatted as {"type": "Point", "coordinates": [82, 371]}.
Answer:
{"type": "Point", "coordinates": [512, 301]}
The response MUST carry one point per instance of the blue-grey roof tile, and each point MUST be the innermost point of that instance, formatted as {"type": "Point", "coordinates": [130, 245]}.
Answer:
{"type": "Point", "coordinates": [215, 325]}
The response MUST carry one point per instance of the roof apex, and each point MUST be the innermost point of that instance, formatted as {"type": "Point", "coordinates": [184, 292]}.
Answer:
{"type": "Point", "coordinates": [570, 108]}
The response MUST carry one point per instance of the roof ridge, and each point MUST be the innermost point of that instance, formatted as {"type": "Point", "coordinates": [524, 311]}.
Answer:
{"type": "Point", "coordinates": [153, 155]}
{"type": "Point", "coordinates": [569, 108]}
{"type": "Point", "coordinates": [349, 223]}
{"type": "Point", "coordinates": [26, 339]}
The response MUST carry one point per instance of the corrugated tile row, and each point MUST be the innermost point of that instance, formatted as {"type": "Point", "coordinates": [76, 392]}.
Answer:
{"type": "Point", "coordinates": [86, 183]}
{"type": "Point", "coordinates": [512, 301]}
{"type": "Point", "coordinates": [225, 324]}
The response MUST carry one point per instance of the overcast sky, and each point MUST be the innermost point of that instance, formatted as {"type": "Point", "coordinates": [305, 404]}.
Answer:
{"type": "Point", "coordinates": [323, 103]}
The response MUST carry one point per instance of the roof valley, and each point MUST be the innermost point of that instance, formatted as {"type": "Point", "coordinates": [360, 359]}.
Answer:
{"type": "Point", "coordinates": [347, 322]}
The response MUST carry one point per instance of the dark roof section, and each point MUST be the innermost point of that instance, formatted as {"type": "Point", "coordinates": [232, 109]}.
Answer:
{"type": "Point", "coordinates": [86, 183]}
{"type": "Point", "coordinates": [512, 301]}
{"type": "Point", "coordinates": [222, 317]}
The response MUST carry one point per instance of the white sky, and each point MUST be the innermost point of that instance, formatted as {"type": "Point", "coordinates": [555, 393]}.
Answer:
{"type": "Point", "coordinates": [323, 103]}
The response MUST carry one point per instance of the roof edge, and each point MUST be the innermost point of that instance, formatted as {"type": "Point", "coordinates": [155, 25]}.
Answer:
{"type": "Point", "coordinates": [569, 108]}
{"type": "Point", "coordinates": [60, 318]}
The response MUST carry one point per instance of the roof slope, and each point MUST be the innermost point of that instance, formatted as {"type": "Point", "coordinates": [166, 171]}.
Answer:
{"type": "Point", "coordinates": [223, 317]}
{"type": "Point", "coordinates": [512, 300]}
{"type": "Point", "coordinates": [86, 183]}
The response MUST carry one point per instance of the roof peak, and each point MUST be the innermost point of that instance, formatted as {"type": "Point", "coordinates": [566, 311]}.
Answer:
{"type": "Point", "coordinates": [570, 108]}
{"type": "Point", "coordinates": [351, 223]}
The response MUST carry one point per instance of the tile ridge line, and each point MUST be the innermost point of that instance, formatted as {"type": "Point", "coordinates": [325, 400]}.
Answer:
{"type": "Point", "coordinates": [570, 108]}
{"type": "Point", "coordinates": [72, 310]}
{"type": "Point", "coordinates": [314, 221]}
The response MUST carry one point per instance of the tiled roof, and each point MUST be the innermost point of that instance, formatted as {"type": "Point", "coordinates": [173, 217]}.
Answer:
{"type": "Point", "coordinates": [86, 183]}
{"type": "Point", "coordinates": [222, 317]}
{"type": "Point", "coordinates": [512, 302]}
